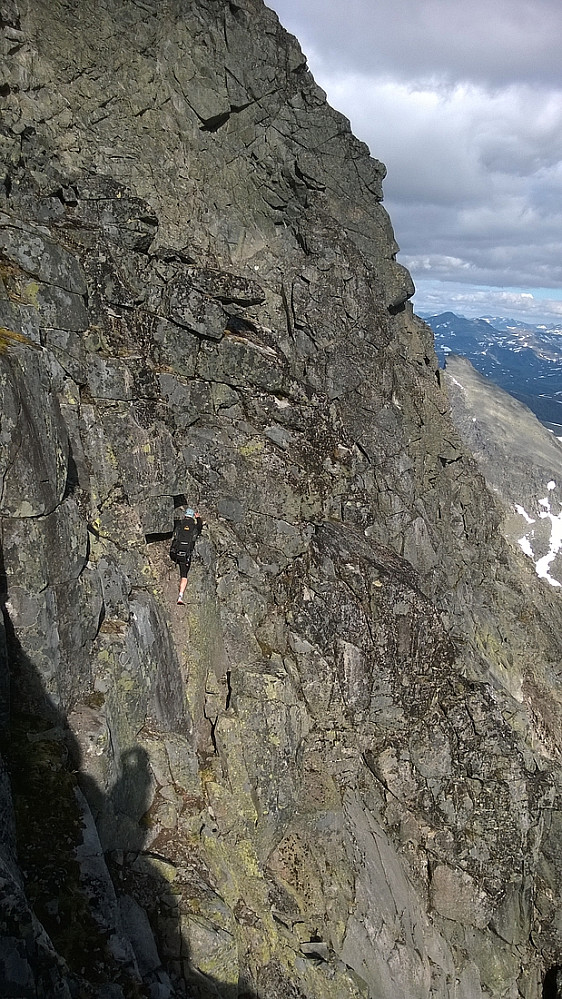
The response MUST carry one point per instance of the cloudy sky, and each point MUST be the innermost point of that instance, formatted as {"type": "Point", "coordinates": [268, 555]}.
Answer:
{"type": "Point", "coordinates": [463, 102]}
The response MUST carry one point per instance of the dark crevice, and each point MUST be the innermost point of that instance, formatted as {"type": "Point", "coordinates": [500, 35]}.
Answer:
{"type": "Point", "coordinates": [303, 243]}
{"type": "Point", "coordinates": [552, 985]}
{"type": "Point", "coordinates": [172, 255]}
{"type": "Point", "coordinates": [287, 307]}
{"type": "Point", "coordinates": [9, 18]}
{"type": "Point", "coordinates": [101, 618]}
{"type": "Point", "coordinates": [237, 325]}
{"type": "Point", "coordinates": [72, 480]}
{"type": "Point", "coordinates": [363, 452]}
{"type": "Point", "coordinates": [27, 133]}
{"type": "Point", "coordinates": [213, 724]}
{"type": "Point", "coordinates": [207, 338]}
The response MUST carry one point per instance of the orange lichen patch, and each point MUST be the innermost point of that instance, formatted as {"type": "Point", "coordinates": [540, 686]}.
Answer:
{"type": "Point", "coordinates": [9, 337]}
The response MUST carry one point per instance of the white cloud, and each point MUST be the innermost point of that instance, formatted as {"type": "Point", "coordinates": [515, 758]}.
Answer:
{"type": "Point", "coordinates": [464, 106]}
{"type": "Point", "coordinates": [495, 42]}
{"type": "Point", "coordinates": [429, 147]}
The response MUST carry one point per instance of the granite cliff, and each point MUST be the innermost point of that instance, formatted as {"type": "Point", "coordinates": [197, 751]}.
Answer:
{"type": "Point", "coordinates": [336, 771]}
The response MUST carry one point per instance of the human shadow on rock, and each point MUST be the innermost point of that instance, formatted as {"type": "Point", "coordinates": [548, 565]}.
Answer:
{"type": "Point", "coordinates": [102, 909]}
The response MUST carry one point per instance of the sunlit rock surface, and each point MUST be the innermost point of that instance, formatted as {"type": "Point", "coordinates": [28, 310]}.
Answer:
{"type": "Point", "coordinates": [520, 460]}
{"type": "Point", "coordinates": [335, 772]}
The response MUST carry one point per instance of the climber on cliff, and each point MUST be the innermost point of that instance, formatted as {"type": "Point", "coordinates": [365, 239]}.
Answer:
{"type": "Point", "coordinates": [187, 529]}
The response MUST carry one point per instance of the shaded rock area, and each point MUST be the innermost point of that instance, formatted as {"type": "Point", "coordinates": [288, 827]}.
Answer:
{"type": "Point", "coordinates": [334, 772]}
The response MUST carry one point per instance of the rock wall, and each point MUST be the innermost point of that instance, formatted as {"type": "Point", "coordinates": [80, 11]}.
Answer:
{"type": "Point", "coordinates": [335, 772]}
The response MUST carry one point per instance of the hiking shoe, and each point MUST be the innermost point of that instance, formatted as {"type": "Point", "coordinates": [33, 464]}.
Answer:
{"type": "Point", "coordinates": [180, 599]}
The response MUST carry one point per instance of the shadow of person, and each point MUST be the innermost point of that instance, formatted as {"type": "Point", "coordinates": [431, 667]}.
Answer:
{"type": "Point", "coordinates": [81, 897]}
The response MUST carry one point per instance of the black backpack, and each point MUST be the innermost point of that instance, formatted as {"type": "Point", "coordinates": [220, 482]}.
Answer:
{"type": "Point", "coordinates": [186, 532]}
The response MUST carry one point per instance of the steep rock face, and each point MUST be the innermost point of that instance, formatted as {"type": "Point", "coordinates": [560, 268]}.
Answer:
{"type": "Point", "coordinates": [335, 772]}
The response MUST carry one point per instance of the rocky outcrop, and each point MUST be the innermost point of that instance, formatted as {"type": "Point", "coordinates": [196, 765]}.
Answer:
{"type": "Point", "coordinates": [335, 772]}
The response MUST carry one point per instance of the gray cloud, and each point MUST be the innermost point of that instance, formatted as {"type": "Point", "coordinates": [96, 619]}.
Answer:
{"type": "Point", "coordinates": [464, 105]}
{"type": "Point", "coordinates": [494, 42]}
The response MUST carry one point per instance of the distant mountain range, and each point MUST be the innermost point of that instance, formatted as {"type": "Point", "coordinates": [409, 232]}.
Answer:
{"type": "Point", "coordinates": [524, 360]}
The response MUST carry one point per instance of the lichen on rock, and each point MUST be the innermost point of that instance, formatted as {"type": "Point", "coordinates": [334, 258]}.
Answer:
{"type": "Point", "coordinates": [334, 772]}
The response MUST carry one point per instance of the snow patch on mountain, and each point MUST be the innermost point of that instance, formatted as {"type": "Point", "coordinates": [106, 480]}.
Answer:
{"type": "Point", "coordinates": [526, 546]}
{"type": "Point", "coordinates": [544, 562]}
{"type": "Point", "coordinates": [521, 462]}
{"type": "Point", "coordinates": [524, 513]}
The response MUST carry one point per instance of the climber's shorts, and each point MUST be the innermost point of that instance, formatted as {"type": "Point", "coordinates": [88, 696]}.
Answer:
{"type": "Point", "coordinates": [184, 566]}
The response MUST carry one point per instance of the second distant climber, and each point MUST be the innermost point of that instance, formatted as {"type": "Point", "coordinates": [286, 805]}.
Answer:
{"type": "Point", "coordinates": [187, 529]}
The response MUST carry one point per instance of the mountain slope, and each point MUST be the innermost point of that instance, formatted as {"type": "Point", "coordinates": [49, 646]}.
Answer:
{"type": "Point", "coordinates": [525, 361]}
{"type": "Point", "coordinates": [520, 460]}
{"type": "Point", "coordinates": [336, 771]}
